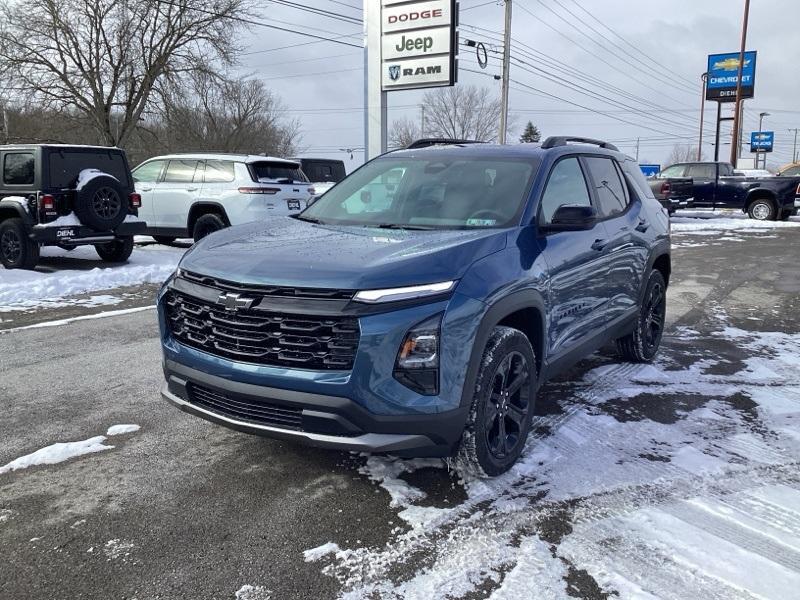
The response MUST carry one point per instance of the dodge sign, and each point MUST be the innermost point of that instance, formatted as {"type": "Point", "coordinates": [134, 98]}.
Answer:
{"type": "Point", "coordinates": [418, 44]}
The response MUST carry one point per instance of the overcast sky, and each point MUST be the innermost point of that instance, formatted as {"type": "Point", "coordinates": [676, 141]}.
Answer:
{"type": "Point", "coordinates": [321, 84]}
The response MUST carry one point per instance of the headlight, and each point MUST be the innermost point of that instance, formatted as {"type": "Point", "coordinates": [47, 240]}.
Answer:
{"type": "Point", "coordinates": [417, 364]}
{"type": "Point", "coordinates": [404, 293]}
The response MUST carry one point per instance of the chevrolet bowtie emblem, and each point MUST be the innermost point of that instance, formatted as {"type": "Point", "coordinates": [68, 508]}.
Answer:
{"type": "Point", "coordinates": [234, 302]}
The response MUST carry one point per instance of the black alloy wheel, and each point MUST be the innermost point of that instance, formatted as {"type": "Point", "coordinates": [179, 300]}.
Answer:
{"type": "Point", "coordinates": [106, 203]}
{"type": "Point", "coordinates": [655, 311]}
{"type": "Point", "coordinates": [508, 406]}
{"type": "Point", "coordinates": [11, 246]}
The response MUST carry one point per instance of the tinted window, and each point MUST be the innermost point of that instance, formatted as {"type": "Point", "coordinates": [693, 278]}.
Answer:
{"type": "Point", "coordinates": [612, 197]}
{"type": "Point", "coordinates": [791, 172]}
{"type": "Point", "coordinates": [180, 171]}
{"type": "Point", "coordinates": [566, 185]}
{"type": "Point", "coordinates": [271, 172]}
{"type": "Point", "coordinates": [324, 171]}
{"type": "Point", "coordinates": [673, 171]}
{"type": "Point", "coordinates": [441, 190]}
{"type": "Point", "coordinates": [219, 171]}
{"type": "Point", "coordinates": [148, 172]}
{"type": "Point", "coordinates": [18, 169]}
{"type": "Point", "coordinates": [701, 171]}
{"type": "Point", "coordinates": [65, 166]}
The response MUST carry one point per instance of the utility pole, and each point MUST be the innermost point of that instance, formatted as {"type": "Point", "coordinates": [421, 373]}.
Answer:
{"type": "Point", "coordinates": [794, 150]}
{"type": "Point", "coordinates": [764, 154]}
{"type": "Point", "coordinates": [4, 123]}
{"type": "Point", "coordinates": [506, 69]}
{"type": "Point", "coordinates": [637, 149]}
{"type": "Point", "coordinates": [737, 121]}
{"type": "Point", "coordinates": [704, 77]}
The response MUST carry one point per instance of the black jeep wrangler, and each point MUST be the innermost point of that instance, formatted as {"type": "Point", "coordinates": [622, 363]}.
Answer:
{"type": "Point", "coordinates": [66, 196]}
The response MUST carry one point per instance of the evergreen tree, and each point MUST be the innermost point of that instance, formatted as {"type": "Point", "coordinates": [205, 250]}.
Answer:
{"type": "Point", "coordinates": [531, 134]}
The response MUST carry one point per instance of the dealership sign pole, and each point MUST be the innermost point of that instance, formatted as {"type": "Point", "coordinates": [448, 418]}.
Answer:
{"type": "Point", "coordinates": [737, 116]}
{"type": "Point", "coordinates": [408, 45]}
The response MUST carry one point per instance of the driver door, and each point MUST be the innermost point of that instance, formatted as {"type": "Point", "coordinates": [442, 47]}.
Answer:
{"type": "Point", "coordinates": [577, 263]}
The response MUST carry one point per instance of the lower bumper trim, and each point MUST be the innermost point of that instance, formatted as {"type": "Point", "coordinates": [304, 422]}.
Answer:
{"type": "Point", "coordinates": [367, 442]}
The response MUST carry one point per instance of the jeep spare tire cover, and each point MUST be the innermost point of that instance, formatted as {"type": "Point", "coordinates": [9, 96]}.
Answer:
{"type": "Point", "coordinates": [100, 202]}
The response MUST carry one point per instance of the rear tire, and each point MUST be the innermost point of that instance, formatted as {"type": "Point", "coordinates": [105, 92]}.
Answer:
{"type": "Point", "coordinates": [502, 405]}
{"type": "Point", "coordinates": [642, 344]}
{"type": "Point", "coordinates": [207, 224]}
{"type": "Point", "coordinates": [762, 209]}
{"type": "Point", "coordinates": [17, 251]}
{"type": "Point", "coordinates": [164, 239]}
{"type": "Point", "coordinates": [117, 251]}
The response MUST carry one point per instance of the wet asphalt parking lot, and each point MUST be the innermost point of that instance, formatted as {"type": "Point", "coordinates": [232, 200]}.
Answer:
{"type": "Point", "coordinates": [674, 480]}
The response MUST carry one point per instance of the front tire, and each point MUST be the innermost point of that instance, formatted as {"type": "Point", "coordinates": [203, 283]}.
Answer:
{"type": "Point", "coordinates": [207, 224]}
{"type": "Point", "coordinates": [164, 239]}
{"type": "Point", "coordinates": [642, 344]}
{"type": "Point", "coordinates": [502, 405]}
{"type": "Point", "coordinates": [118, 251]}
{"type": "Point", "coordinates": [762, 209]}
{"type": "Point", "coordinates": [17, 251]}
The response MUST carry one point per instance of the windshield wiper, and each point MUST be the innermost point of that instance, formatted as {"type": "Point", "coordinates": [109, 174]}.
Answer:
{"type": "Point", "coordinates": [401, 226]}
{"type": "Point", "coordinates": [308, 219]}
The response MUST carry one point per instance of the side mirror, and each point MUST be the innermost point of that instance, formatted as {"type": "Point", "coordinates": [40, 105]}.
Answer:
{"type": "Point", "coordinates": [366, 196]}
{"type": "Point", "coordinates": [572, 217]}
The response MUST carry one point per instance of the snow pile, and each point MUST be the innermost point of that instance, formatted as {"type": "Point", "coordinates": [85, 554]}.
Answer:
{"type": "Point", "coordinates": [320, 551]}
{"type": "Point", "coordinates": [717, 222]}
{"type": "Point", "coordinates": [63, 451]}
{"type": "Point", "coordinates": [56, 453]}
{"type": "Point", "coordinates": [670, 480]}
{"type": "Point", "coordinates": [122, 429]}
{"type": "Point", "coordinates": [21, 289]}
{"type": "Point", "coordinates": [253, 592]}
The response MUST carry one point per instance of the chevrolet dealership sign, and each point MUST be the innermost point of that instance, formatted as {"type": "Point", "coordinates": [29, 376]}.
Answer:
{"type": "Point", "coordinates": [418, 44]}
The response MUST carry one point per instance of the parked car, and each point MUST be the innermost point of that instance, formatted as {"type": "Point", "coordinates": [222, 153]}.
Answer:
{"type": "Point", "coordinates": [672, 189]}
{"type": "Point", "coordinates": [716, 185]}
{"type": "Point", "coordinates": [790, 170]}
{"type": "Point", "coordinates": [192, 195]}
{"type": "Point", "coordinates": [421, 321]}
{"type": "Point", "coordinates": [323, 173]}
{"type": "Point", "coordinates": [67, 196]}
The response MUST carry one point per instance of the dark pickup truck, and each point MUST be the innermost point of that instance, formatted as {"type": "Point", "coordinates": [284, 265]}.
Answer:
{"type": "Point", "coordinates": [717, 185]}
{"type": "Point", "coordinates": [673, 191]}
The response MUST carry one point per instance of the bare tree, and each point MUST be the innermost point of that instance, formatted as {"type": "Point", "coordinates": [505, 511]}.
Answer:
{"type": "Point", "coordinates": [226, 115]}
{"type": "Point", "coordinates": [404, 131]}
{"type": "Point", "coordinates": [682, 153]}
{"type": "Point", "coordinates": [462, 112]}
{"type": "Point", "coordinates": [103, 58]}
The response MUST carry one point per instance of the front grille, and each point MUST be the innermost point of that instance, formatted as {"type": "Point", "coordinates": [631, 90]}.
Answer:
{"type": "Point", "coordinates": [251, 411]}
{"type": "Point", "coordinates": [263, 337]}
{"type": "Point", "coordinates": [269, 290]}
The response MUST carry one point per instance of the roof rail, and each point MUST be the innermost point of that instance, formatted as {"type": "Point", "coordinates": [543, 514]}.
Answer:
{"type": "Point", "coordinates": [555, 141]}
{"type": "Point", "coordinates": [427, 142]}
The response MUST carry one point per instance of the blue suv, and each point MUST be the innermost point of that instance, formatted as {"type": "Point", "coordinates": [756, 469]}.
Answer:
{"type": "Point", "coordinates": [416, 308]}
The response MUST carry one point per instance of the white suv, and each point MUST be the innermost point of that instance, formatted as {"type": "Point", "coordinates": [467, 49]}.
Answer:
{"type": "Point", "coordinates": [192, 195]}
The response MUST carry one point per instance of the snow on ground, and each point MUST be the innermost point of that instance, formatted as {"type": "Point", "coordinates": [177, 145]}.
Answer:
{"type": "Point", "coordinates": [708, 222]}
{"type": "Point", "coordinates": [672, 480]}
{"type": "Point", "coordinates": [63, 451]}
{"type": "Point", "coordinates": [253, 592]}
{"type": "Point", "coordinates": [23, 290]}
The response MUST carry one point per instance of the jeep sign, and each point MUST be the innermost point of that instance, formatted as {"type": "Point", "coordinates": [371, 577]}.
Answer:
{"type": "Point", "coordinates": [418, 43]}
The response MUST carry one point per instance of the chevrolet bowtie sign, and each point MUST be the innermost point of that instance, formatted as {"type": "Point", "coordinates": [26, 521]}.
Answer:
{"type": "Point", "coordinates": [418, 44]}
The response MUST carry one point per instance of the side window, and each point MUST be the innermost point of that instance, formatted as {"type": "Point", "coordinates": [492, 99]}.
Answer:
{"type": "Point", "coordinates": [566, 185]}
{"type": "Point", "coordinates": [219, 171]}
{"type": "Point", "coordinates": [180, 171]}
{"type": "Point", "coordinates": [673, 171]}
{"type": "Point", "coordinates": [148, 172]}
{"type": "Point", "coordinates": [611, 193]}
{"type": "Point", "coordinates": [701, 171]}
{"type": "Point", "coordinates": [18, 168]}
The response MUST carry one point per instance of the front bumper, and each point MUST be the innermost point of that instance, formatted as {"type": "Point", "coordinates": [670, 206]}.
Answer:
{"type": "Point", "coordinates": [77, 235]}
{"type": "Point", "coordinates": [314, 419]}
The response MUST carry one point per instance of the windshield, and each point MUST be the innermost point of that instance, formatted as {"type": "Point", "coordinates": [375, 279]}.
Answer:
{"type": "Point", "coordinates": [436, 192]}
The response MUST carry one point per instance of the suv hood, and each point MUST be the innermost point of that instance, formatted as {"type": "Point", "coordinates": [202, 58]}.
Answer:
{"type": "Point", "coordinates": [290, 252]}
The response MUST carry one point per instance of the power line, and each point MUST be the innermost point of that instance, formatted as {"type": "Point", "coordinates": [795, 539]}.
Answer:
{"type": "Point", "coordinates": [319, 11]}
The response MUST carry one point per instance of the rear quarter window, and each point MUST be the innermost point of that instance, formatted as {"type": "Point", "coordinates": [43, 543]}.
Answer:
{"type": "Point", "coordinates": [18, 168]}
{"type": "Point", "coordinates": [271, 172]}
{"type": "Point", "coordinates": [66, 165]}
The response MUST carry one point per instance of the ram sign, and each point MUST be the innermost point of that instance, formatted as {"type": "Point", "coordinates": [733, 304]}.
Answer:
{"type": "Point", "coordinates": [418, 44]}
{"type": "Point", "coordinates": [723, 75]}
{"type": "Point", "coordinates": [762, 141]}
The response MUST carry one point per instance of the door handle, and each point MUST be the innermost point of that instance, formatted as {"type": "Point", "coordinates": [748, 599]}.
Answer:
{"type": "Point", "coordinates": [146, 189]}
{"type": "Point", "coordinates": [642, 226]}
{"type": "Point", "coordinates": [599, 245]}
{"type": "Point", "coordinates": [192, 189]}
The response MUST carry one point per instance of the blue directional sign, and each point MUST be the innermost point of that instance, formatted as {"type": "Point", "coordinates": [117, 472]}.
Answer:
{"type": "Point", "coordinates": [650, 170]}
{"type": "Point", "coordinates": [762, 141]}
{"type": "Point", "coordinates": [723, 75]}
